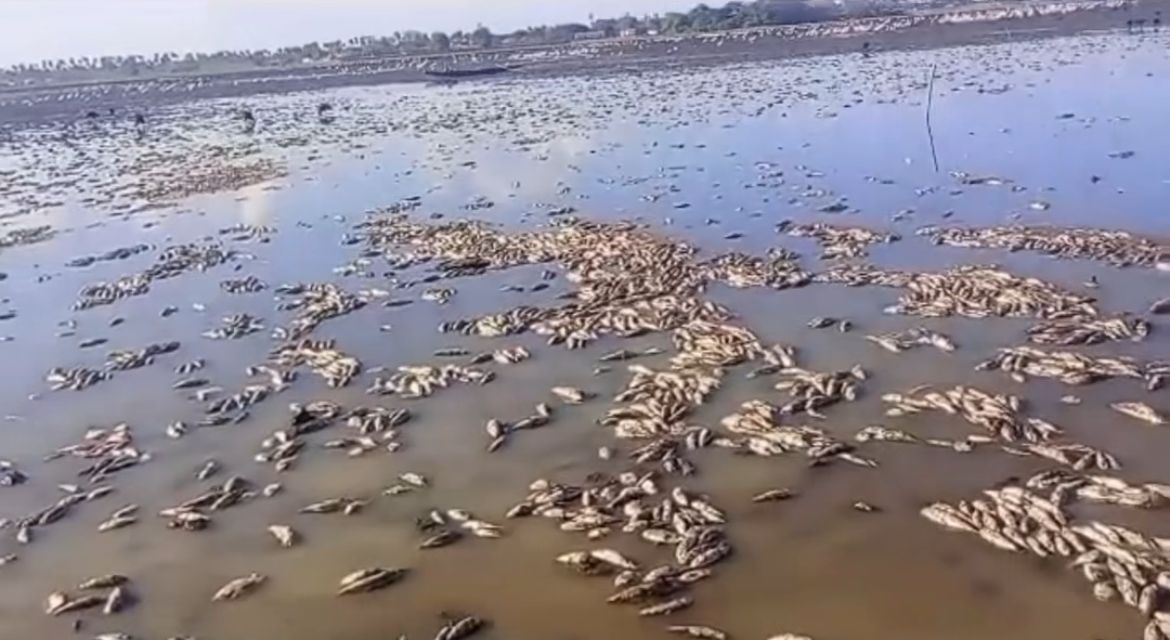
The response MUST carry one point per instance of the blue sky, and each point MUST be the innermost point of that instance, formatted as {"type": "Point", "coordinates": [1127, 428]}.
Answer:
{"type": "Point", "coordinates": [38, 29]}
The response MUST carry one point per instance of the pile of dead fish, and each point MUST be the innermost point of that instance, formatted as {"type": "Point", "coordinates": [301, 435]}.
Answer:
{"type": "Point", "coordinates": [208, 177]}
{"type": "Point", "coordinates": [638, 505]}
{"type": "Point", "coordinates": [972, 291]}
{"type": "Point", "coordinates": [112, 450]}
{"type": "Point", "coordinates": [779, 270]}
{"type": "Point", "coordinates": [1118, 248]}
{"type": "Point", "coordinates": [315, 303]}
{"type": "Point", "coordinates": [75, 378]}
{"type": "Point", "coordinates": [444, 528]}
{"type": "Point", "coordinates": [630, 281]}
{"type": "Point", "coordinates": [192, 514]}
{"type": "Point", "coordinates": [249, 284]}
{"type": "Point", "coordinates": [1065, 366]}
{"type": "Point", "coordinates": [56, 511]}
{"type": "Point", "coordinates": [119, 253]}
{"type": "Point", "coordinates": [980, 292]}
{"type": "Point", "coordinates": [758, 430]}
{"type": "Point", "coordinates": [336, 367]}
{"type": "Point", "coordinates": [103, 293]}
{"type": "Point", "coordinates": [1121, 563]}
{"type": "Point", "coordinates": [1000, 415]}
{"type": "Point", "coordinates": [117, 598]}
{"type": "Point", "coordinates": [917, 337]}
{"type": "Point", "coordinates": [1065, 486]}
{"type": "Point", "coordinates": [1088, 331]}
{"type": "Point", "coordinates": [235, 326]}
{"type": "Point", "coordinates": [29, 235]}
{"type": "Point", "coordinates": [171, 262]}
{"type": "Point", "coordinates": [420, 381]}
{"type": "Point", "coordinates": [233, 408]}
{"type": "Point", "coordinates": [132, 359]}
{"type": "Point", "coordinates": [838, 241]}
{"type": "Point", "coordinates": [811, 391]}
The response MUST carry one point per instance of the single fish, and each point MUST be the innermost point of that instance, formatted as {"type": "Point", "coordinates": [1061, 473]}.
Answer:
{"type": "Point", "coordinates": [238, 588]}
{"type": "Point", "coordinates": [283, 534]}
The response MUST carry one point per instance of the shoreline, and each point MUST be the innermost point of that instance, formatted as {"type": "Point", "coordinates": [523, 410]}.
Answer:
{"type": "Point", "coordinates": [899, 33]}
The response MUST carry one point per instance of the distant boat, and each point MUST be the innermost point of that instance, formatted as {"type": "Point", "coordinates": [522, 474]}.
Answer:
{"type": "Point", "coordinates": [456, 74]}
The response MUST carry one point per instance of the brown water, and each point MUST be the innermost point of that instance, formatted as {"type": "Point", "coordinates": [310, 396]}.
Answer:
{"type": "Point", "coordinates": [621, 147]}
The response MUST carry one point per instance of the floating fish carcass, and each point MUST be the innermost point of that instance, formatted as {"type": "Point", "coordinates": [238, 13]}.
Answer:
{"type": "Point", "coordinates": [366, 580]}
{"type": "Point", "coordinates": [238, 587]}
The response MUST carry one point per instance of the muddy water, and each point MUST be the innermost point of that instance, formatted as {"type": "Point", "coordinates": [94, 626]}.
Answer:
{"type": "Point", "coordinates": [696, 155]}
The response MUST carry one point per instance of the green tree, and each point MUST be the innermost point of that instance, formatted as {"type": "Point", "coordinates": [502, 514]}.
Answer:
{"type": "Point", "coordinates": [482, 37]}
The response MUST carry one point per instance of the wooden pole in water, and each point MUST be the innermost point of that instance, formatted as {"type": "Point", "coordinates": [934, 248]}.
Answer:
{"type": "Point", "coordinates": [929, 104]}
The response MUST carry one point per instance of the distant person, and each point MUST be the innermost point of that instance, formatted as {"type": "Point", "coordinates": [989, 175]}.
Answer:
{"type": "Point", "coordinates": [249, 121]}
{"type": "Point", "coordinates": [325, 112]}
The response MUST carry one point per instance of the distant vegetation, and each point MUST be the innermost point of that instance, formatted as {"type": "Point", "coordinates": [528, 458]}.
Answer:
{"type": "Point", "coordinates": [702, 18]}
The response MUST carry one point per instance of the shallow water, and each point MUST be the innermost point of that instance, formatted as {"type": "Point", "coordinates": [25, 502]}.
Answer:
{"type": "Point", "coordinates": [743, 148]}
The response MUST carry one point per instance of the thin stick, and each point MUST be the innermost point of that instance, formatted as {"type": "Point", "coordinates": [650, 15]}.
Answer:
{"type": "Point", "coordinates": [929, 104]}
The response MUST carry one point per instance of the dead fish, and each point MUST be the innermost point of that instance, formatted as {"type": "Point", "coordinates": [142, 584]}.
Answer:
{"type": "Point", "coordinates": [114, 636]}
{"type": "Point", "coordinates": [570, 395]}
{"type": "Point", "coordinates": [459, 629]}
{"type": "Point", "coordinates": [283, 534]}
{"type": "Point", "coordinates": [1160, 307]}
{"type": "Point", "coordinates": [65, 604]}
{"type": "Point", "coordinates": [441, 539]}
{"type": "Point", "coordinates": [55, 601]}
{"type": "Point", "coordinates": [414, 479]}
{"type": "Point", "coordinates": [372, 579]}
{"type": "Point", "coordinates": [116, 522]}
{"type": "Point", "coordinates": [114, 602]}
{"type": "Point", "coordinates": [332, 505]}
{"type": "Point", "coordinates": [821, 322]}
{"type": "Point", "coordinates": [103, 582]}
{"type": "Point", "coordinates": [397, 489]}
{"type": "Point", "coordinates": [1139, 410]}
{"type": "Point", "coordinates": [773, 495]}
{"type": "Point", "coordinates": [92, 342]}
{"type": "Point", "coordinates": [208, 469]}
{"type": "Point", "coordinates": [609, 556]}
{"type": "Point", "coordinates": [238, 587]}
{"type": "Point", "coordinates": [666, 608]}
{"type": "Point", "coordinates": [865, 507]}
{"type": "Point", "coordinates": [191, 383]}
{"type": "Point", "coordinates": [619, 355]}
{"type": "Point", "coordinates": [697, 631]}
{"type": "Point", "coordinates": [8, 559]}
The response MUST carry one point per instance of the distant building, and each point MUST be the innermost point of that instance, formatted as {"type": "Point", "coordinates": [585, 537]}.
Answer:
{"type": "Point", "coordinates": [630, 33]}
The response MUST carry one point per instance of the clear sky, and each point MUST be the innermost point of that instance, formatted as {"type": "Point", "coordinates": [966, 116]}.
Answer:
{"type": "Point", "coordinates": [38, 29]}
